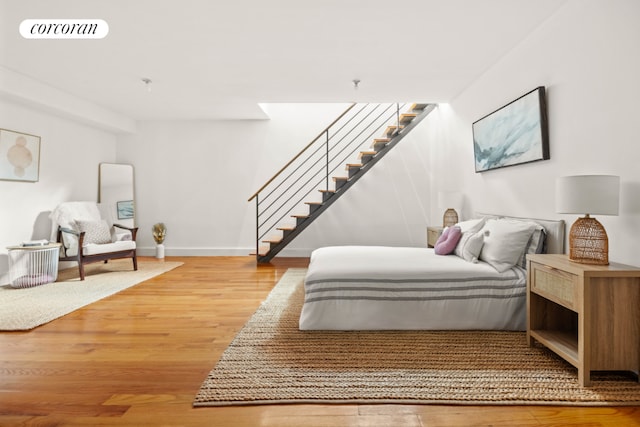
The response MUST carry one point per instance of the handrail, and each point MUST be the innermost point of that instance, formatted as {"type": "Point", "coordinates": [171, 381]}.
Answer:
{"type": "Point", "coordinates": [301, 152]}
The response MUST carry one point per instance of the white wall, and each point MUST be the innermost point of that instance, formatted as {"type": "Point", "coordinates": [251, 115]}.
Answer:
{"type": "Point", "coordinates": [69, 156]}
{"type": "Point", "coordinates": [587, 57]}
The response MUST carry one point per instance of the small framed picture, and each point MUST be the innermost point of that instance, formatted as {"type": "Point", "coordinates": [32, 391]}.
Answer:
{"type": "Point", "coordinates": [125, 209]}
{"type": "Point", "coordinates": [19, 156]}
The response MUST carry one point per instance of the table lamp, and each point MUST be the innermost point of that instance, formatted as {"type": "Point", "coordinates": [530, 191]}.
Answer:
{"type": "Point", "coordinates": [588, 194]}
{"type": "Point", "coordinates": [450, 200]}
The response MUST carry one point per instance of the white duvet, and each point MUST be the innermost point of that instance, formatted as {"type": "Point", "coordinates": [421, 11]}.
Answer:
{"type": "Point", "coordinates": [392, 288]}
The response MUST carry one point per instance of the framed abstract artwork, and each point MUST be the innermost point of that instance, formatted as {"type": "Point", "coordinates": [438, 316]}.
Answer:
{"type": "Point", "coordinates": [514, 134]}
{"type": "Point", "coordinates": [125, 209]}
{"type": "Point", "coordinates": [19, 156]}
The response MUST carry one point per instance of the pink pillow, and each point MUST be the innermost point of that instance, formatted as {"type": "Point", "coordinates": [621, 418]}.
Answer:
{"type": "Point", "coordinates": [447, 242]}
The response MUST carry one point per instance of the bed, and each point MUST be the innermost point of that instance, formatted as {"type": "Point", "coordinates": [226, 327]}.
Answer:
{"type": "Point", "coordinates": [402, 288]}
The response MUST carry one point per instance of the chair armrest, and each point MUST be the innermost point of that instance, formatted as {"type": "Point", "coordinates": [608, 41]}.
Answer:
{"type": "Point", "coordinates": [67, 230]}
{"type": "Point", "coordinates": [78, 234]}
{"type": "Point", "coordinates": [133, 230]}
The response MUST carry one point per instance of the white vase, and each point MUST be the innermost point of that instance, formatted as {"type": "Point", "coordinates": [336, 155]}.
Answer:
{"type": "Point", "coordinates": [160, 251]}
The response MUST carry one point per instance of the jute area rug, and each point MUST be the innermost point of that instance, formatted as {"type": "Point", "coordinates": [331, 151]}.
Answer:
{"type": "Point", "coordinates": [26, 308]}
{"type": "Point", "coordinates": [271, 361]}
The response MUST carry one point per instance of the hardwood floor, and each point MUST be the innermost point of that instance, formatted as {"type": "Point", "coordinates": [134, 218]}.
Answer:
{"type": "Point", "coordinates": [138, 358]}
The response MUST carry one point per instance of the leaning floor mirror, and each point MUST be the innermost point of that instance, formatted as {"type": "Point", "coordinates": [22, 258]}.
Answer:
{"type": "Point", "coordinates": [116, 193]}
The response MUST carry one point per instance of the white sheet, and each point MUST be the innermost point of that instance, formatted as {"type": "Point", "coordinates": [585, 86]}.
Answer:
{"type": "Point", "coordinates": [391, 288]}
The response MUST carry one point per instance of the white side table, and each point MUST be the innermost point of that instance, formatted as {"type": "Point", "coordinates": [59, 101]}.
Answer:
{"type": "Point", "coordinates": [33, 265]}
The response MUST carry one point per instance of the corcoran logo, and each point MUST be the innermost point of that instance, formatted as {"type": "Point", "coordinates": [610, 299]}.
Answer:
{"type": "Point", "coordinates": [64, 29]}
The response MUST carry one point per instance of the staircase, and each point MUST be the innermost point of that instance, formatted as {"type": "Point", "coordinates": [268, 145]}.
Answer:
{"type": "Point", "coordinates": [302, 190]}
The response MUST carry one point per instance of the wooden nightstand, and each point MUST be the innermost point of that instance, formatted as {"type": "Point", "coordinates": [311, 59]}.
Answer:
{"type": "Point", "coordinates": [589, 315]}
{"type": "Point", "coordinates": [433, 233]}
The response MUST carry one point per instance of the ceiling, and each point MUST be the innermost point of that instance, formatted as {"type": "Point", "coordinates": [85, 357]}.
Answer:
{"type": "Point", "coordinates": [212, 59]}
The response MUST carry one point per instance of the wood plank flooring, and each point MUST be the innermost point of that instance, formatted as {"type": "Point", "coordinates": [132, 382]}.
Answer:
{"type": "Point", "coordinates": [138, 358]}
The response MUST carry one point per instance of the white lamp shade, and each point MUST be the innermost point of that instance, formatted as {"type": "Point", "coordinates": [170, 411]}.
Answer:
{"type": "Point", "coordinates": [450, 199]}
{"type": "Point", "coordinates": [588, 194]}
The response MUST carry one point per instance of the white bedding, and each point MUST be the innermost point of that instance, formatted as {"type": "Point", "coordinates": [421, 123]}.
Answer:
{"type": "Point", "coordinates": [391, 288]}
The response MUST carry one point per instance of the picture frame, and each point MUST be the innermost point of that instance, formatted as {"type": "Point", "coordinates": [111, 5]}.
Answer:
{"type": "Point", "coordinates": [19, 156]}
{"type": "Point", "coordinates": [125, 209]}
{"type": "Point", "coordinates": [514, 134]}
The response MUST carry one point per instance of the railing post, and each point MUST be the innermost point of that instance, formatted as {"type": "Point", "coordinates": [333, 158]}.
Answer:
{"type": "Point", "coordinates": [397, 117]}
{"type": "Point", "coordinates": [327, 162]}
{"type": "Point", "coordinates": [257, 226]}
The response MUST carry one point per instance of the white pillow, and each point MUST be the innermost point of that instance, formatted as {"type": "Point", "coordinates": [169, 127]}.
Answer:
{"type": "Point", "coordinates": [504, 242]}
{"type": "Point", "coordinates": [473, 246]}
{"type": "Point", "coordinates": [471, 225]}
{"type": "Point", "coordinates": [536, 245]}
{"type": "Point", "coordinates": [468, 228]}
{"type": "Point", "coordinates": [95, 231]}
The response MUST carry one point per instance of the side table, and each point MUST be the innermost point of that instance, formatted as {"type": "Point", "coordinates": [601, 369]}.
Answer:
{"type": "Point", "coordinates": [586, 314]}
{"type": "Point", "coordinates": [33, 265]}
{"type": "Point", "coordinates": [433, 233]}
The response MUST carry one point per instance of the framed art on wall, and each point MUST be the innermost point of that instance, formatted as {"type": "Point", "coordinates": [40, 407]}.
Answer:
{"type": "Point", "coordinates": [19, 156]}
{"type": "Point", "coordinates": [125, 209]}
{"type": "Point", "coordinates": [514, 134]}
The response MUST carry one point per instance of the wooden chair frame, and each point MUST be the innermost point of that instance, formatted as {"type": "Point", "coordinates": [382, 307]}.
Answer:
{"type": "Point", "coordinates": [82, 259]}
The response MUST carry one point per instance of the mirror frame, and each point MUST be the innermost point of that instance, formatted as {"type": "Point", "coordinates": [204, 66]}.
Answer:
{"type": "Point", "coordinates": [122, 208]}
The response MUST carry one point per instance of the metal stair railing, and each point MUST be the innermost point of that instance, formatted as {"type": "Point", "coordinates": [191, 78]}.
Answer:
{"type": "Point", "coordinates": [310, 170]}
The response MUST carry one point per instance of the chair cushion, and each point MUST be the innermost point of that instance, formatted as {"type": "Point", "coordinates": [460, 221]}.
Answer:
{"type": "Point", "coordinates": [94, 249]}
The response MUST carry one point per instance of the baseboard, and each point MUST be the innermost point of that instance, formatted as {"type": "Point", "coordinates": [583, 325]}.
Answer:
{"type": "Point", "coordinates": [172, 251]}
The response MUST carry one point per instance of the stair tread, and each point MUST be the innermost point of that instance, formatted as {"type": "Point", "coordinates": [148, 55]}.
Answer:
{"type": "Point", "coordinates": [380, 141]}
{"type": "Point", "coordinates": [273, 240]}
{"type": "Point", "coordinates": [391, 129]}
{"type": "Point", "coordinates": [300, 216]}
{"type": "Point", "coordinates": [407, 117]}
{"type": "Point", "coordinates": [340, 178]}
{"type": "Point", "coordinates": [354, 165]}
{"type": "Point", "coordinates": [286, 228]}
{"type": "Point", "coordinates": [313, 203]}
{"type": "Point", "coordinates": [417, 106]}
{"type": "Point", "coordinates": [327, 191]}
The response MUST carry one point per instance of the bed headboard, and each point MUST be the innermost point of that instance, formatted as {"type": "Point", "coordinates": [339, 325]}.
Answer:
{"type": "Point", "coordinates": [555, 229]}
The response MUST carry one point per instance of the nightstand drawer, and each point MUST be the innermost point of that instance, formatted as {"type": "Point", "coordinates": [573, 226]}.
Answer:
{"type": "Point", "coordinates": [556, 285]}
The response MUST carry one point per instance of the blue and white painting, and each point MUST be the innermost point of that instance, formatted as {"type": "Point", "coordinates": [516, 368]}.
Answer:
{"type": "Point", "coordinates": [514, 134]}
{"type": "Point", "coordinates": [125, 209]}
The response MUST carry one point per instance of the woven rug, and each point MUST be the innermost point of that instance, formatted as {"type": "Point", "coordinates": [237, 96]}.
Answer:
{"type": "Point", "coordinates": [25, 308]}
{"type": "Point", "coordinates": [271, 361]}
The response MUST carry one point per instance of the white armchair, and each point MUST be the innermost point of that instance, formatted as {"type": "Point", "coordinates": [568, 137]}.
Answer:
{"type": "Point", "coordinates": [87, 237]}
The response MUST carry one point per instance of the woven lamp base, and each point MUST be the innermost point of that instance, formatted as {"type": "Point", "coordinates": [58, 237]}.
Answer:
{"type": "Point", "coordinates": [588, 242]}
{"type": "Point", "coordinates": [450, 218]}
